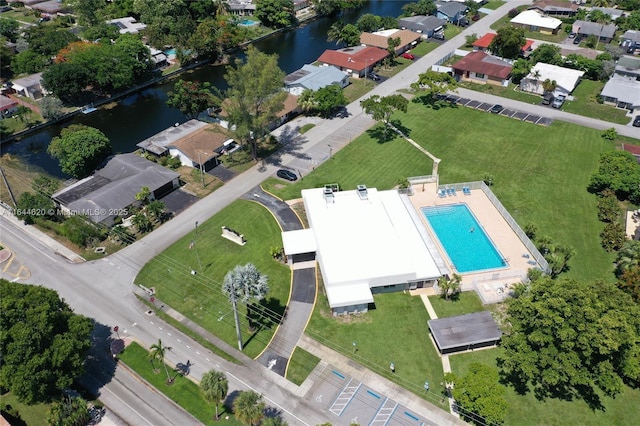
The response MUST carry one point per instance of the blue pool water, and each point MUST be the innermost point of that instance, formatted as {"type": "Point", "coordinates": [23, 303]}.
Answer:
{"type": "Point", "coordinates": [464, 240]}
{"type": "Point", "coordinates": [248, 22]}
{"type": "Point", "coordinates": [170, 52]}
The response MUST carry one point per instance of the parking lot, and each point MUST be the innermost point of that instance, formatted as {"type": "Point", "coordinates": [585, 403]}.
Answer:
{"type": "Point", "coordinates": [348, 401]}
{"type": "Point", "coordinates": [483, 106]}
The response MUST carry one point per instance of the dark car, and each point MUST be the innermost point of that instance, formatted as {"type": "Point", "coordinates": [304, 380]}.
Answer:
{"type": "Point", "coordinates": [496, 109]}
{"type": "Point", "coordinates": [342, 112]}
{"type": "Point", "coordinates": [547, 98]}
{"type": "Point", "coordinates": [373, 76]}
{"type": "Point", "coordinates": [636, 121]}
{"type": "Point", "coordinates": [463, 22]}
{"type": "Point", "coordinates": [577, 40]}
{"type": "Point", "coordinates": [287, 175]}
{"type": "Point", "coordinates": [438, 36]}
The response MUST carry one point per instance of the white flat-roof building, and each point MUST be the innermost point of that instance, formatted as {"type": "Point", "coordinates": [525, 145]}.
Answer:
{"type": "Point", "coordinates": [365, 241]}
{"type": "Point", "coordinates": [566, 79]}
{"type": "Point", "coordinates": [531, 20]}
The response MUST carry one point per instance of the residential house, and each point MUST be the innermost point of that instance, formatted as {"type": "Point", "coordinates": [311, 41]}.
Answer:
{"type": "Point", "coordinates": [301, 7]}
{"type": "Point", "coordinates": [566, 79]}
{"type": "Point", "coordinates": [8, 106]}
{"type": "Point", "coordinates": [26, 3]}
{"type": "Point", "coordinates": [158, 57]}
{"type": "Point", "coordinates": [612, 12]}
{"type": "Point", "coordinates": [313, 77]}
{"type": "Point", "coordinates": [127, 25]}
{"type": "Point", "coordinates": [49, 8]}
{"type": "Point", "coordinates": [241, 7]}
{"type": "Point", "coordinates": [628, 66]}
{"type": "Point", "coordinates": [532, 20]}
{"type": "Point", "coordinates": [451, 11]}
{"type": "Point", "coordinates": [375, 230]}
{"type": "Point", "coordinates": [196, 143]}
{"type": "Point", "coordinates": [482, 44]}
{"type": "Point", "coordinates": [355, 61]}
{"type": "Point", "coordinates": [29, 86]}
{"type": "Point", "coordinates": [605, 32]}
{"type": "Point", "coordinates": [630, 41]}
{"type": "Point", "coordinates": [112, 189]}
{"type": "Point", "coordinates": [622, 92]}
{"type": "Point", "coordinates": [380, 39]}
{"type": "Point", "coordinates": [555, 8]}
{"type": "Point", "coordinates": [425, 25]}
{"type": "Point", "coordinates": [289, 110]}
{"type": "Point", "coordinates": [480, 67]}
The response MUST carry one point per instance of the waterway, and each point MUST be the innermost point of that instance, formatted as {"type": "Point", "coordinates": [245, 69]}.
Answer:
{"type": "Point", "coordinates": [144, 114]}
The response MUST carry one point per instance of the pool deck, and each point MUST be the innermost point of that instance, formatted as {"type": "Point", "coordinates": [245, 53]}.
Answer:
{"type": "Point", "coordinates": [492, 284]}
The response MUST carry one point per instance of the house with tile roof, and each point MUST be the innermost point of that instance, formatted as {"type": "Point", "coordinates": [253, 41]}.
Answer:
{"type": "Point", "coordinates": [555, 8]}
{"type": "Point", "coordinates": [480, 67]}
{"type": "Point", "coordinates": [482, 44]}
{"type": "Point", "coordinates": [8, 106]}
{"type": "Point", "coordinates": [355, 61]}
{"type": "Point", "coordinates": [532, 20]}
{"type": "Point", "coordinates": [313, 77]}
{"type": "Point", "coordinates": [380, 39]}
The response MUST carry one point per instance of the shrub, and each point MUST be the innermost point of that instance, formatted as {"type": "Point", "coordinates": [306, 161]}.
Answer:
{"type": "Point", "coordinates": [613, 237]}
{"type": "Point", "coordinates": [531, 229]}
{"type": "Point", "coordinates": [608, 209]}
{"type": "Point", "coordinates": [610, 134]}
{"type": "Point", "coordinates": [513, 13]}
{"type": "Point", "coordinates": [80, 231]}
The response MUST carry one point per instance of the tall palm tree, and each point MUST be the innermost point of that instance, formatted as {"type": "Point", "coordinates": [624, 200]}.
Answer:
{"type": "Point", "coordinates": [306, 101]}
{"type": "Point", "coordinates": [156, 209]}
{"type": "Point", "coordinates": [247, 285]}
{"type": "Point", "coordinates": [335, 32]}
{"type": "Point", "coordinates": [248, 407]}
{"type": "Point", "coordinates": [214, 387]}
{"type": "Point", "coordinates": [449, 286]}
{"type": "Point", "coordinates": [157, 353]}
{"type": "Point", "coordinates": [549, 85]}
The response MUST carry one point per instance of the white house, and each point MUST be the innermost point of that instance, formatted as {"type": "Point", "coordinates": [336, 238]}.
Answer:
{"type": "Point", "coordinates": [29, 86]}
{"type": "Point", "coordinates": [566, 79]}
{"type": "Point", "coordinates": [127, 25]}
{"type": "Point", "coordinates": [365, 241]}
{"type": "Point", "coordinates": [313, 77]}
{"type": "Point", "coordinates": [532, 20]}
{"type": "Point", "coordinates": [623, 92]}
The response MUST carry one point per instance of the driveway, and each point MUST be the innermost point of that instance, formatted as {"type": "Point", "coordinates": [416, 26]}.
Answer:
{"type": "Point", "coordinates": [178, 200]}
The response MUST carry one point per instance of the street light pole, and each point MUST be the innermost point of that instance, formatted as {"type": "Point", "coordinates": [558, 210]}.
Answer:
{"type": "Point", "coordinates": [237, 320]}
{"type": "Point", "coordinates": [201, 172]}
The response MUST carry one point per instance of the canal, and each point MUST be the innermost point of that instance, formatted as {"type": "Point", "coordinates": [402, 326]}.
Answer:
{"type": "Point", "coordinates": [146, 113]}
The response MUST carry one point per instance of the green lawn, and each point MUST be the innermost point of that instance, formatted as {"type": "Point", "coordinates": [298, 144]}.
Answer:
{"type": "Point", "coordinates": [301, 365]}
{"type": "Point", "coordinates": [527, 410]}
{"type": "Point", "coordinates": [395, 331]}
{"type": "Point", "coordinates": [493, 4]}
{"type": "Point", "coordinates": [423, 48]}
{"type": "Point", "coordinates": [357, 88]}
{"type": "Point", "coordinates": [199, 297]}
{"type": "Point", "coordinates": [183, 391]}
{"type": "Point", "coordinates": [305, 128]}
{"type": "Point", "coordinates": [586, 103]}
{"type": "Point", "coordinates": [31, 415]}
{"type": "Point", "coordinates": [466, 303]}
{"type": "Point", "coordinates": [509, 92]}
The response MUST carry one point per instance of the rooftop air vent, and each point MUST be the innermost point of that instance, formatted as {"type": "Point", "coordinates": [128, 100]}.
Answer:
{"type": "Point", "coordinates": [362, 192]}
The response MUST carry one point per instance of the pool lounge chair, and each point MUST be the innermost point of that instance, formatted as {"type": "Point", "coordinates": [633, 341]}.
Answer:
{"type": "Point", "coordinates": [442, 193]}
{"type": "Point", "coordinates": [466, 191]}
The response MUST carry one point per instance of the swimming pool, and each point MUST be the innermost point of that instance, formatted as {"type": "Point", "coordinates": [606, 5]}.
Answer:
{"type": "Point", "coordinates": [464, 240]}
{"type": "Point", "coordinates": [248, 23]}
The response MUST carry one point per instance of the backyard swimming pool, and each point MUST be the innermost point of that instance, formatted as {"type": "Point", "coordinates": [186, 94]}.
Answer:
{"type": "Point", "coordinates": [462, 237]}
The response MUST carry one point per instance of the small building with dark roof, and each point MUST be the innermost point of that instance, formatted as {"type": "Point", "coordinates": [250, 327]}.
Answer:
{"type": "Point", "coordinates": [465, 332]}
{"type": "Point", "coordinates": [112, 189]}
{"type": "Point", "coordinates": [425, 25]}
{"type": "Point", "coordinates": [451, 11]}
{"type": "Point", "coordinates": [480, 67]}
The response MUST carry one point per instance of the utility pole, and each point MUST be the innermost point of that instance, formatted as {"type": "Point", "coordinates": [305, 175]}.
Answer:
{"type": "Point", "coordinates": [201, 171]}
{"type": "Point", "coordinates": [196, 248]}
{"type": "Point", "coordinates": [237, 320]}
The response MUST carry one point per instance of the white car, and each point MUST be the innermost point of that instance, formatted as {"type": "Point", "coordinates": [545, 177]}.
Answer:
{"type": "Point", "coordinates": [558, 101]}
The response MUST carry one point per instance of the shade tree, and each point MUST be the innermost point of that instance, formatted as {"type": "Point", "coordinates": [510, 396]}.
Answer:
{"type": "Point", "coordinates": [618, 171]}
{"type": "Point", "coordinates": [248, 407]}
{"type": "Point", "coordinates": [79, 149]}
{"type": "Point", "coordinates": [508, 42]}
{"type": "Point", "coordinates": [381, 108]}
{"type": "Point", "coordinates": [275, 13]}
{"type": "Point", "coordinates": [191, 97]}
{"type": "Point", "coordinates": [479, 393]}
{"type": "Point", "coordinates": [434, 83]}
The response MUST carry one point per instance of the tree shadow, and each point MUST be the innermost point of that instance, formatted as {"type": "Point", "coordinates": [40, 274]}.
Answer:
{"type": "Point", "coordinates": [100, 366]}
{"type": "Point", "coordinates": [434, 102]}
{"type": "Point", "coordinates": [381, 133]}
{"type": "Point", "coordinates": [399, 126]}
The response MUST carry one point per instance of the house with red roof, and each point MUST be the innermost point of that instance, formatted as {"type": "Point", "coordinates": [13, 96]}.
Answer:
{"type": "Point", "coordinates": [482, 44]}
{"type": "Point", "coordinates": [480, 67]}
{"type": "Point", "coordinates": [355, 61]}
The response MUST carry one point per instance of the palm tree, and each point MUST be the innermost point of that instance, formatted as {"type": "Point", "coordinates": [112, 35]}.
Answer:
{"type": "Point", "coordinates": [335, 32]}
{"type": "Point", "coordinates": [214, 387]}
{"type": "Point", "coordinates": [158, 351]}
{"type": "Point", "coordinates": [600, 3]}
{"type": "Point", "coordinates": [247, 285]}
{"type": "Point", "coordinates": [156, 209]}
{"type": "Point", "coordinates": [273, 421]}
{"type": "Point", "coordinates": [449, 286]}
{"type": "Point", "coordinates": [549, 85]}
{"type": "Point", "coordinates": [249, 408]}
{"type": "Point", "coordinates": [306, 101]}
{"type": "Point", "coordinates": [628, 257]}
{"type": "Point", "coordinates": [142, 222]}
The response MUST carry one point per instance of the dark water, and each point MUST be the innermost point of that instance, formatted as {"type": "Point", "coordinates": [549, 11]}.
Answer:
{"type": "Point", "coordinates": [144, 114]}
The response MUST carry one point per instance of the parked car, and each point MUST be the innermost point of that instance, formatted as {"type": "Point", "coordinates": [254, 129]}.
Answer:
{"type": "Point", "coordinates": [408, 55]}
{"type": "Point", "coordinates": [342, 112]}
{"type": "Point", "coordinates": [572, 35]}
{"type": "Point", "coordinates": [496, 109]}
{"type": "Point", "coordinates": [463, 22]}
{"type": "Point", "coordinates": [636, 121]}
{"type": "Point", "coordinates": [547, 98]}
{"type": "Point", "coordinates": [558, 101]}
{"type": "Point", "coordinates": [438, 36]}
{"type": "Point", "coordinates": [286, 175]}
{"type": "Point", "coordinates": [577, 40]}
{"type": "Point", "coordinates": [373, 76]}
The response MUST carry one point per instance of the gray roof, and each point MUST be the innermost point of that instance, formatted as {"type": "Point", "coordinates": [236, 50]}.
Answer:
{"type": "Point", "coordinates": [632, 35]}
{"type": "Point", "coordinates": [421, 23]}
{"type": "Point", "coordinates": [114, 186]}
{"type": "Point", "coordinates": [628, 63]}
{"type": "Point", "coordinates": [624, 89]}
{"type": "Point", "coordinates": [159, 143]}
{"type": "Point", "coordinates": [462, 331]}
{"type": "Point", "coordinates": [29, 81]}
{"type": "Point", "coordinates": [314, 77]}
{"type": "Point", "coordinates": [451, 8]}
{"type": "Point", "coordinates": [614, 13]}
{"type": "Point", "coordinates": [586, 27]}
